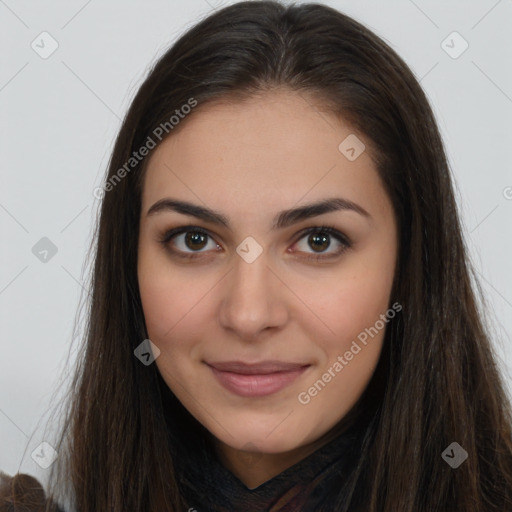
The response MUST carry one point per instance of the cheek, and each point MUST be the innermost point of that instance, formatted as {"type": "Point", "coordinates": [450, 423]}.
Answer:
{"type": "Point", "coordinates": [351, 350]}
{"type": "Point", "coordinates": [171, 298]}
{"type": "Point", "coordinates": [174, 315]}
{"type": "Point", "coordinates": [349, 302]}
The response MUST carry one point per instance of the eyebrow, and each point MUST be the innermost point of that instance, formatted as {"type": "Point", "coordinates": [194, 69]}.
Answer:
{"type": "Point", "coordinates": [283, 219]}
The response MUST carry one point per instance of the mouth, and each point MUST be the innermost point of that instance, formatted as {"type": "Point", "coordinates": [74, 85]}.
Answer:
{"type": "Point", "coordinates": [259, 379]}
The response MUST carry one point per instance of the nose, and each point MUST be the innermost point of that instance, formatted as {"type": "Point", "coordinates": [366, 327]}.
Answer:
{"type": "Point", "coordinates": [254, 299]}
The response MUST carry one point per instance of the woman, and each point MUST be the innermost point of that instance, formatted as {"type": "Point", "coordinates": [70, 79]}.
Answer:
{"type": "Point", "coordinates": [282, 313]}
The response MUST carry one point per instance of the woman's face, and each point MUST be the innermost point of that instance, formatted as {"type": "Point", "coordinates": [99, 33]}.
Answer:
{"type": "Point", "coordinates": [269, 324]}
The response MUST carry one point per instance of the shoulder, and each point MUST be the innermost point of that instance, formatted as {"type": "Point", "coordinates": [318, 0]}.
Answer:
{"type": "Point", "coordinates": [26, 490]}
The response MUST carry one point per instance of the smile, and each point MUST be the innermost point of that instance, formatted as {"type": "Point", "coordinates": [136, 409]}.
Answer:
{"type": "Point", "coordinates": [256, 380]}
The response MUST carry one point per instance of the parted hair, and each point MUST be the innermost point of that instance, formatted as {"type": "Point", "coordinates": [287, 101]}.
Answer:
{"type": "Point", "coordinates": [438, 380]}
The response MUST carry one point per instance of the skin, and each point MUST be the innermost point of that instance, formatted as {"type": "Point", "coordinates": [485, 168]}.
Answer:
{"type": "Point", "coordinates": [249, 160]}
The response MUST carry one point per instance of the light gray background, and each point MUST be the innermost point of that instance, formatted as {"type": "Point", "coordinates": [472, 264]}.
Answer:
{"type": "Point", "coordinates": [59, 117]}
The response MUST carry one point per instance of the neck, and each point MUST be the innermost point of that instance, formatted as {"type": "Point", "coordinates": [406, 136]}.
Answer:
{"type": "Point", "coordinates": [254, 468]}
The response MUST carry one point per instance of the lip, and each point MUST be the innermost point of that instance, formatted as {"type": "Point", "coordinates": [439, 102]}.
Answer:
{"type": "Point", "coordinates": [256, 379]}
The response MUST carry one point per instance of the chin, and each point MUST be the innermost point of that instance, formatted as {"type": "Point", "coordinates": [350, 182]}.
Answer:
{"type": "Point", "coordinates": [270, 437]}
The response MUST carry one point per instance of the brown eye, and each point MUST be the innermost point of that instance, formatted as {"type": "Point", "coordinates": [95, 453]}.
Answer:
{"type": "Point", "coordinates": [195, 240]}
{"type": "Point", "coordinates": [189, 241]}
{"type": "Point", "coordinates": [319, 242]}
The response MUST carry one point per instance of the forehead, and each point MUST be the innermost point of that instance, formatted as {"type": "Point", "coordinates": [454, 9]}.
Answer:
{"type": "Point", "coordinates": [280, 145]}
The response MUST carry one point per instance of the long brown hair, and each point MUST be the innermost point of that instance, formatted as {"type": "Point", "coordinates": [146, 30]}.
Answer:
{"type": "Point", "coordinates": [438, 377]}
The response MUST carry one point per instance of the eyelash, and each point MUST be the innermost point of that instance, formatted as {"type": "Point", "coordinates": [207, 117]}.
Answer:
{"type": "Point", "coordinates": [167, 236]}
